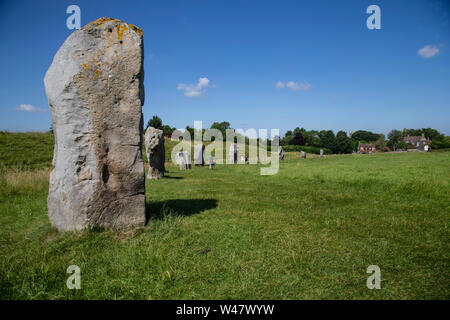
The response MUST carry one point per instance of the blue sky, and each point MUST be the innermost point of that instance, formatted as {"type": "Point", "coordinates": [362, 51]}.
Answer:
{"type": "Point", "coordinates": [334, 72]}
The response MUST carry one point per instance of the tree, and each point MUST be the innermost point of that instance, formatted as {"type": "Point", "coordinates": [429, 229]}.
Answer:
{"type": "Point", "coordinates": [342, 143]}
{"type": "Point", "coordinates": [287, 138]}
{"type": "Point", "coordinates": [367, 136]}
{"type": "Point", "coordinates": [429, 133]}
{"type": "Point", "coordinates": [167, 130]}
{"type": "Point", "coordinates": [327, 139]}
{"type": "Point", "coordinates": [155, 122]}
{"type": "Point", "coordinates": [380, 144]}
{"type": "Point", "coordinates": [395, 138]}
{"type": "Point", "coordinates": [222, 127]}
{"type": "Point", "coordinates": [298, 139]}
{"type": "Point", "coordinates": [441, 144]}
{"type": "Point", "coordinates": [433, 134]}
{"type": "Point", "coordinates": [312, 138]}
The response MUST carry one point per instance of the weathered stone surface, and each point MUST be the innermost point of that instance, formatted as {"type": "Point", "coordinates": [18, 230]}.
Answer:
{"type": "Point", "coordinates": [199, 150]}
{"type": "Point", "coordinates": [95, 92]}
{"type": "Point", "coordinates": [154, 147]}
{"type": "Point", "coordinates": [303, 154]}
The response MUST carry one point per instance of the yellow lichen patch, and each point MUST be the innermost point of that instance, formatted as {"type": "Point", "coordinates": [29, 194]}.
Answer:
{"type": "Point", "coordinates": [96, 74]}
{"type": "Point", "coordinates": [97, 23]}
{"type": "Point", "coordinates": [138, 30]}
{"type": "Point", "coordinates": [120, 31]}
{"type": "Point", "coordinates": [85, 65]}
{"type": "Point", "coordinates": [121, 28]}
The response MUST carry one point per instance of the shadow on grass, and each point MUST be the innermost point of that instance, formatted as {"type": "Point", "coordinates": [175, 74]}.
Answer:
{"type": "Point", "coordinates": [169, 177]}
{"type": "Point", "coordinates": [181, 207]}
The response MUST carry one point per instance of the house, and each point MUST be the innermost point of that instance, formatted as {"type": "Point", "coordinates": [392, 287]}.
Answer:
{"type": "Point", "coordinates": [420, 143]}
{"type": "Point", "coordinates": [366, 148]}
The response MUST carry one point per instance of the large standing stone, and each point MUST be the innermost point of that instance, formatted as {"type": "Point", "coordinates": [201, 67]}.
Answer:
{"type": "Point", "coordinates": [95, 92]}
{"type": "Point", "coordinates": [154, 147]}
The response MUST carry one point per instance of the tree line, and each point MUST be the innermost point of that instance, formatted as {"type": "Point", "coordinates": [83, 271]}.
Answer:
{"type": "Point", "coordinates": [342, 143]}
{"type": "Point", "coordinates": [338, 143]}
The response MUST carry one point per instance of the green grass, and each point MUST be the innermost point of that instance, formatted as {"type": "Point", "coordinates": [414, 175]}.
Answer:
{"type": "Point", "coordinates": [308, 232]}
{"type": "Point", "coordinates": [27, 150]}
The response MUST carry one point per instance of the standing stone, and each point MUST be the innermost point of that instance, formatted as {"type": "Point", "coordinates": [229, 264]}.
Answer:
{"type": "Point", "coordinates": [303, 154]}
{"type": "Point", "coordinates": [187, 158]}
{"type": "Point", "coordinates": [156, 153]}
{"type": "Point", "coordinates": [199, 150]}
{"type": "Point", "coordinates": [280, 153]}
{"type": "Point", "coordinates": [180, 160]}
{"type": "Point", "coordinates": [95, 92]}
{"type": "Point", "coordinates": [233, 153]}
{"type": "Point", "coordinates": [321, 153]}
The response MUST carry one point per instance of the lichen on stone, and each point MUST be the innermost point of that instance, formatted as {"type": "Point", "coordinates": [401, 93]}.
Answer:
{"type": "Point", "coordinates": [120, 28]}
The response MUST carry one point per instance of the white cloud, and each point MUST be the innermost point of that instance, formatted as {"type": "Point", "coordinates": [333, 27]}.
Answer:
{"type": "Point", "coordinates": [191, 90]}
{"type": "Point", "coordinates": [294, 86]}
{"type": "Point", "coordinates": [203, 82]}
{"type": "Point", "coordinates": [428, 51]}
{"type": "Point", "coordinates": [279, 85]}
{"type": "Point", "coordinates": [29, 108]}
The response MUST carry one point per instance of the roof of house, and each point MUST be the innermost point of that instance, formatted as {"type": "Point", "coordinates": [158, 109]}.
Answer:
{"type": "Point", "coordinates": [367, 145]}
{"type": "Point", "coordinates": [414, 139]}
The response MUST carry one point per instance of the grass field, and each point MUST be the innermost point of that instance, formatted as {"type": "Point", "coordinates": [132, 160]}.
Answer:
{"type": "Point", "coordinates": [308, 232]}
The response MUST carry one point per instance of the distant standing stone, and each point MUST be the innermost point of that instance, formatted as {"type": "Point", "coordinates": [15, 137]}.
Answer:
{"type": "Point", "coordinates": [199, 150]}
{"type": "Point", "coordinates": [180, 160]}
{"type": "Point", "coordinates": [321, 153]}
{"type": "Point", "coordinates": [280, 153]}
{"type": "Point", "coordinates": [154, 147]}
{"type": "Point", "coordinates": [233, 153]}
{"type": "Point", "coordinates": [303, 154]}
{"type": "Point", "coordinates": [95, 90]}
{"type": "Point", "coordinates": [187, 157]}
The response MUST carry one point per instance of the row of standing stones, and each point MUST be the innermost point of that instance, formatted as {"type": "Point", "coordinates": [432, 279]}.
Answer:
{"type": "Point", "coordinates": [95, 92]}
